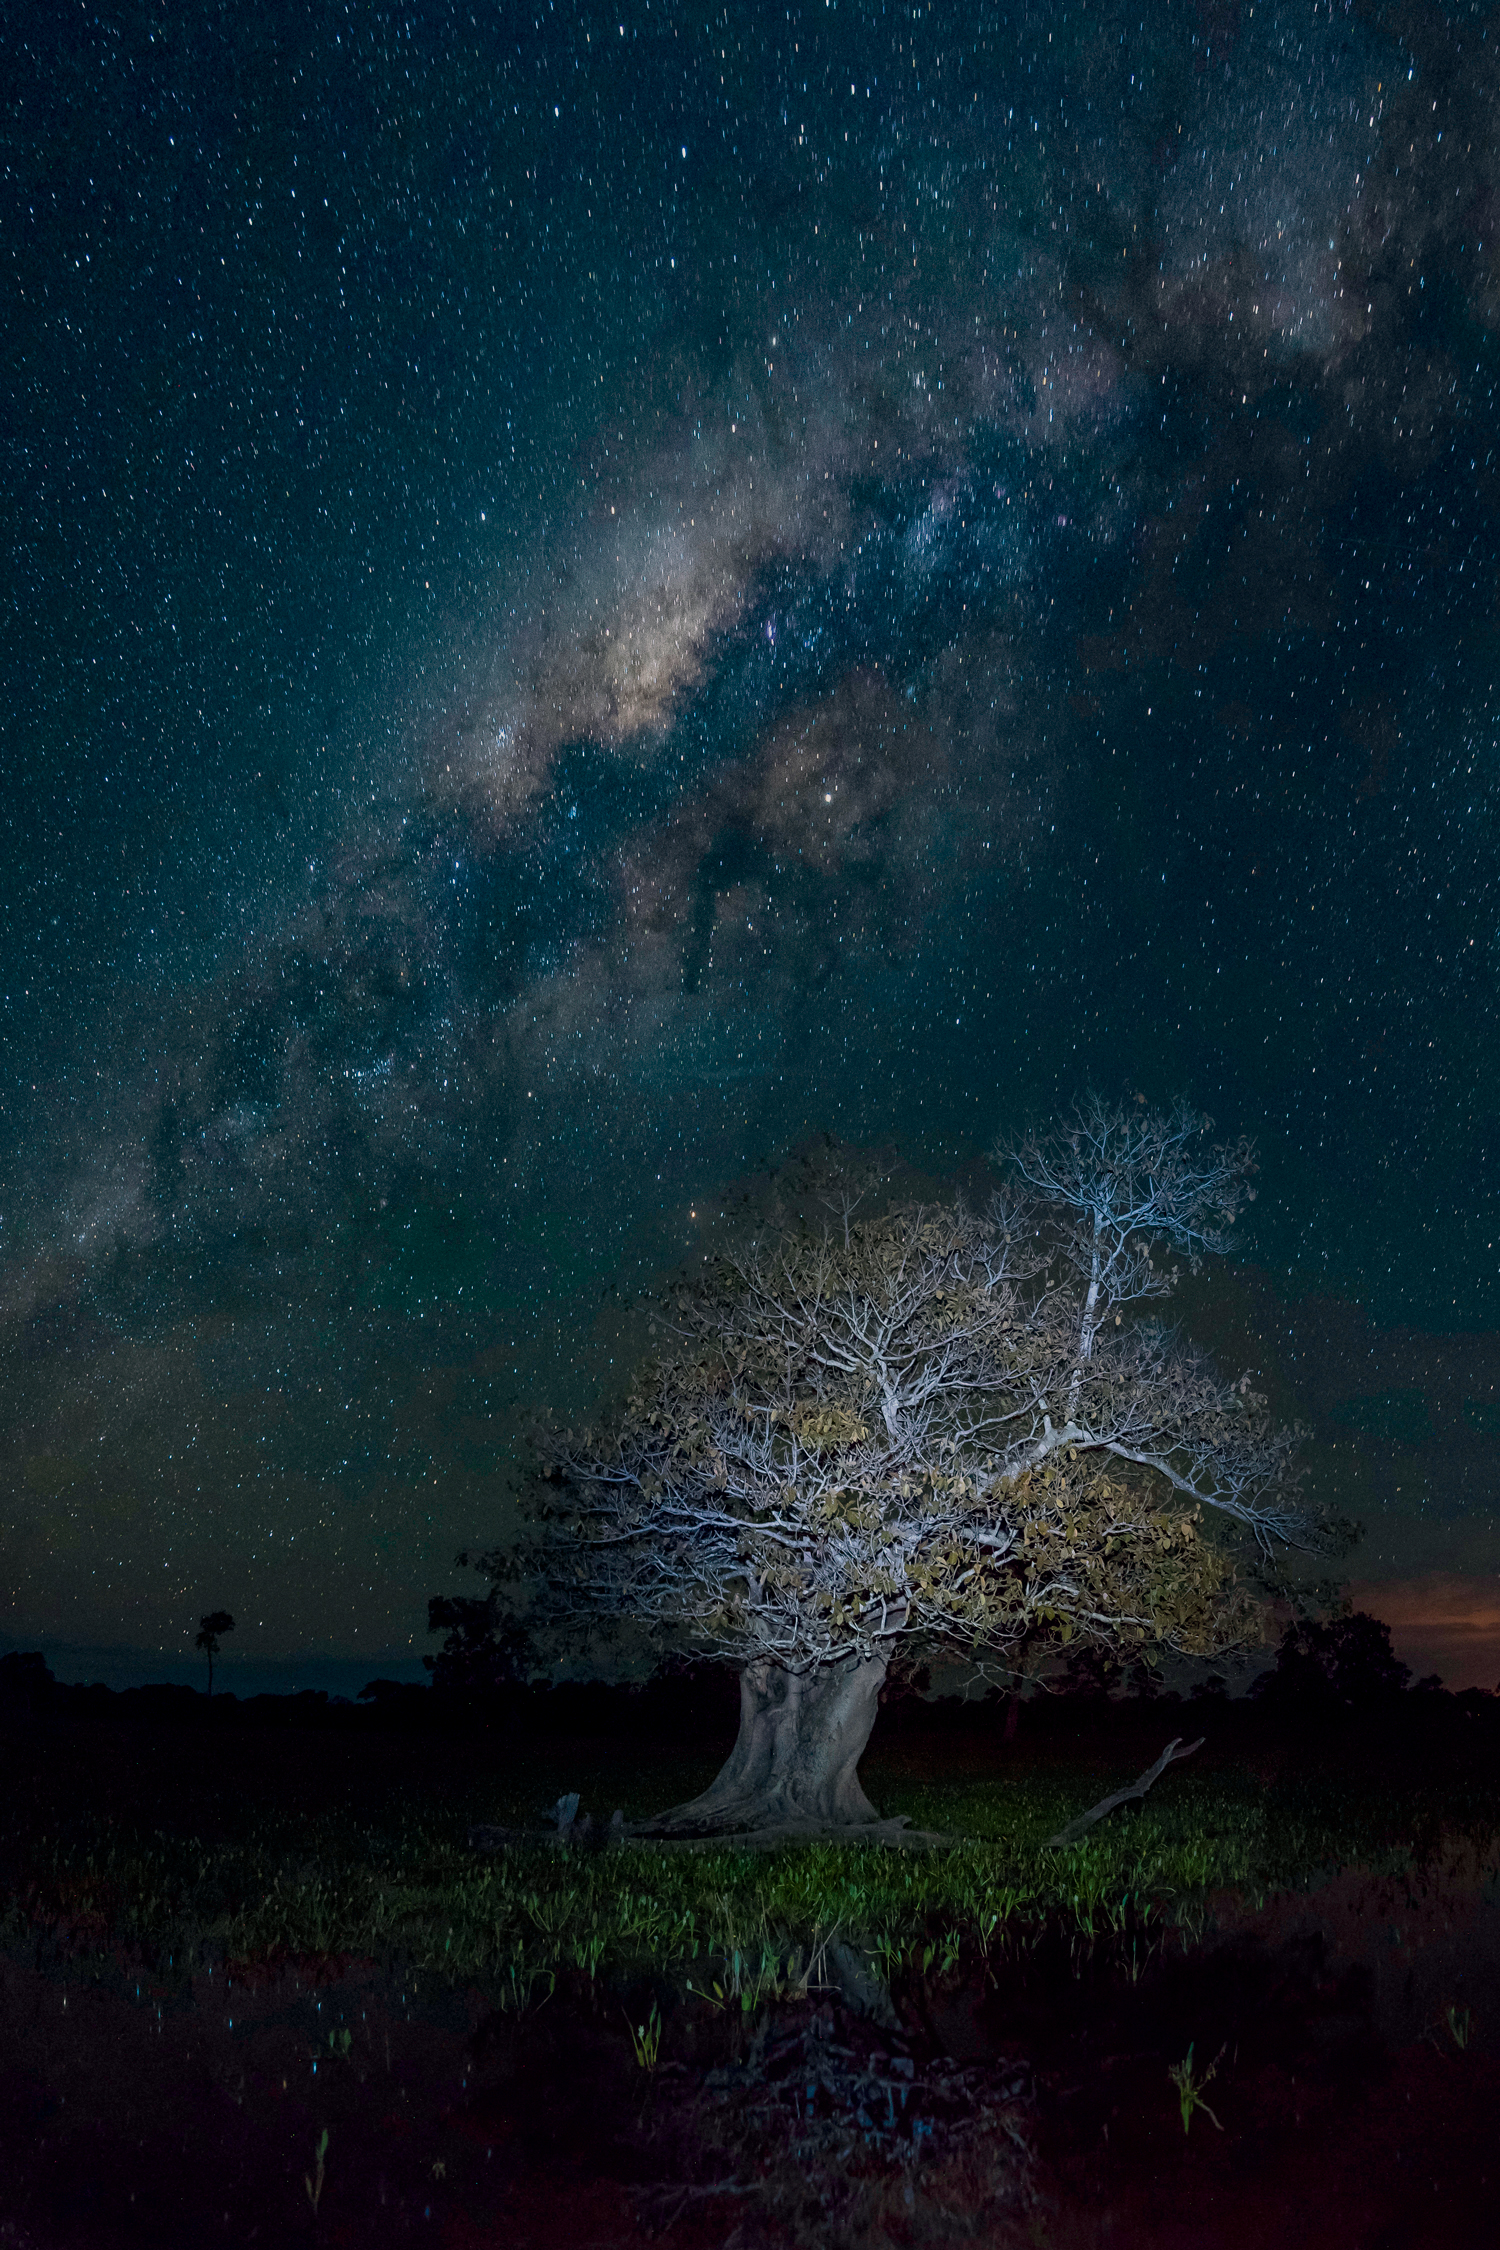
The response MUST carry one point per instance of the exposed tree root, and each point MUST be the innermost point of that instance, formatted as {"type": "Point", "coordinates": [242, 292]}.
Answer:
{"type": "Point", "coordinates": [584, 1835]}
{"type": "Point", "coordinates": [898, 1833]}
{"type": "Point", "coordinates": [670, 1832]}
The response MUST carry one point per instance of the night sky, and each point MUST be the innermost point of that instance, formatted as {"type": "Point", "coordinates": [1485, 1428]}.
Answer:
{"type": "Point", "coordinates": [591, 594]}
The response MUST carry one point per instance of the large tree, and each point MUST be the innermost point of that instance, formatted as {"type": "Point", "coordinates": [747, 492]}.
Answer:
{"type": "Point", "coordinates": [931, 1428]}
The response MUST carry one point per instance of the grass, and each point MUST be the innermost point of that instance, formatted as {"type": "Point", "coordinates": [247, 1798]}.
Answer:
{"type": "Point", "coordinates": [394, 1881]}
{"type": "Point", "coordinates": [314, 2181]}
{"type": "Point", "coordinates": [1190, 2088]}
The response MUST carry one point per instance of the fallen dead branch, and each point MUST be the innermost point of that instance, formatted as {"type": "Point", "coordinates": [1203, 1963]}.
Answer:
{"type": "Point", "coordinates": [1085, 1821]}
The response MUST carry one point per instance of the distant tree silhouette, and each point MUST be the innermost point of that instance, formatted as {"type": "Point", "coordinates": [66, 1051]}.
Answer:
{"type": "Point", "coordinates": [1340, 1662]}
{"type": "Point", "coordinates": [209, 1629]}
{"type": "Point", "coordinates": [1102, 1675]}
{"type": "Point", "coordinates": [27, 1688]}
{"type": "Point", "coordinates": [487, 1646]}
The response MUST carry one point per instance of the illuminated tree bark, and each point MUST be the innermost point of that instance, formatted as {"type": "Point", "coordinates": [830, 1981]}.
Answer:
{"type": "Point", "coordinates": [795, 1762]}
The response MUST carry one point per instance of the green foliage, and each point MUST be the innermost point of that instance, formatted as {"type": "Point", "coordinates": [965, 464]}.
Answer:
{"type": "Point", "coordinates": [731, 1928]}
{"type": "Point", "coordinates": [313, 2181]}
{"type": "Point", "coordinates": [1190, 2087]}
{"type": "Point", "coordinates": [645, 2039]}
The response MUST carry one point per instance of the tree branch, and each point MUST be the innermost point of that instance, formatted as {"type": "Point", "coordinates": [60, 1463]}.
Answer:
{"type": "Point", "coordinates": [1169, 1756]}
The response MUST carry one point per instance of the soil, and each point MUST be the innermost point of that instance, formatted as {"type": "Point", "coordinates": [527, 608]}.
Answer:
{"type": "Point", "coordinates": [1355, 2086]}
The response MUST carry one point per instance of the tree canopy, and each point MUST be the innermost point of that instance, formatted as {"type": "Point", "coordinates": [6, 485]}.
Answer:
{"type": "Point", "coordinates": [943, 1427]}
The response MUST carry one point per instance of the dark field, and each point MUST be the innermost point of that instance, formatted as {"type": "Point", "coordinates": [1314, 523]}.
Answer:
{"type": "Point", "coordinates": [256, 1989]}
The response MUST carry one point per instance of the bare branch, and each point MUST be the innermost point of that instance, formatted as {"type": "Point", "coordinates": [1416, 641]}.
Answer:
{"type": "Point", "coordinates": [1076, 1828]}
{"type": "Point", "coordinates": [1121, 1185]}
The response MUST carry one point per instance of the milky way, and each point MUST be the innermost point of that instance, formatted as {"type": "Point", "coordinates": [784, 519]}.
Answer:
{"type": "Point", "coordinates": [587, 604]}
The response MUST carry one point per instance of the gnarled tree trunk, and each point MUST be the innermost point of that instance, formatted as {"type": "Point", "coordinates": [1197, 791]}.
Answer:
{"type": "Point", "coordinates": [794, 1766]}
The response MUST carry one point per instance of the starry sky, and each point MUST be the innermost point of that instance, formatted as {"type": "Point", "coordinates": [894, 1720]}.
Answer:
{"type": "Point", "coordinates": [591, 594]}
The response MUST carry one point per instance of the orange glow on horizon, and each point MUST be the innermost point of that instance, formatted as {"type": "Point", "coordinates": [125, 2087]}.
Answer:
{"type": "Point", "coordinates": [1441, 1622]}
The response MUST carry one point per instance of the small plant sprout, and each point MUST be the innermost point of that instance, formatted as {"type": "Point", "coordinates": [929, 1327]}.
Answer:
{"type": "Point", "coordinates": [587, 1951]}
{"type": "Point", "coordinates": [314, 2183]}
{"type": "Point", "coordinates": [1460, 2023]}
{"type": "Point", "coordinates": [645, 2038]}
{"type": "Point", "coordinates": [1190, 2087]}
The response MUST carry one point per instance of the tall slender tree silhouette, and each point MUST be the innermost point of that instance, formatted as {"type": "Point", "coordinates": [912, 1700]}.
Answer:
{"type": "Point", "coordinates": [217, 1621]}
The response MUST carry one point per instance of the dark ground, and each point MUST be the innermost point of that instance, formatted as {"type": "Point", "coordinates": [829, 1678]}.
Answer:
{"type": "Point", "coordinates": [1031, 2110]}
